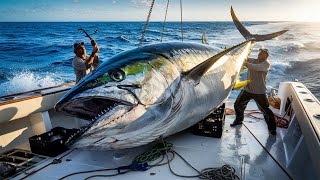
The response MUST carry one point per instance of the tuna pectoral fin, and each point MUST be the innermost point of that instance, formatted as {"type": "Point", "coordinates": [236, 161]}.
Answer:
{"type": "Point", "coordinates": [241, 84]}
{"type": "Point", "coordinates": [256, 37]}
{"type": "Point", "coordinates": [198, 71]}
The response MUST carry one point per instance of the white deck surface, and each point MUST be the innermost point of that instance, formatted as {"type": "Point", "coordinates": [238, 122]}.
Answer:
{"type": "Point", "coordinates": [237, 147]}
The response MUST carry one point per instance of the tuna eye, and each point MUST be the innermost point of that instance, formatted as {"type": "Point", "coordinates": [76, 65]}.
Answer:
{"type": "Point", "coordinates": [117, 75]}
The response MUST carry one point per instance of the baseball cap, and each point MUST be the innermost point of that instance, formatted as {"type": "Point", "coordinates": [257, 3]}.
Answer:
{"type": "Point", "coordinates": [76, 45]}
{"type": "Point", "coordinates": [265, 50]}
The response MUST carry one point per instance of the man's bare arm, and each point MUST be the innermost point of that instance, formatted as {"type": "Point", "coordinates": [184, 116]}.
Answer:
{"type": "Point", "coordinates": [94, 54]}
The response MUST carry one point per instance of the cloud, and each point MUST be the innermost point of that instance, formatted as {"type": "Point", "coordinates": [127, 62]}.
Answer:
{"type": "Point", "coordinates": [76, 1]}
{"type": "Point", "coordinates": [114, 1]}
{"type": "Point", "coordinates": [141, 3]}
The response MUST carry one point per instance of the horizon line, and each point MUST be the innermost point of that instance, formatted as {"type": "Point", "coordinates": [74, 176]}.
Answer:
{"type": "Point", "coordinates": [141, 21]}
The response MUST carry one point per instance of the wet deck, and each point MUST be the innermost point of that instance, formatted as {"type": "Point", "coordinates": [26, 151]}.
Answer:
{"type": "Point", "coordinates": [248, 148]}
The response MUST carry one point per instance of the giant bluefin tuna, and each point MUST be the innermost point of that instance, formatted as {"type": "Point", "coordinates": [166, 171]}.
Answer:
{"type": "Point", "coordinates": [154, 91]}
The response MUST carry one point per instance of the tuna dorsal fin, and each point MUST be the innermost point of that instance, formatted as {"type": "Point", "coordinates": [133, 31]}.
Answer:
{"type": "Point", "coordinates": [256, 37]}
{"type": "Point", "coordinates": [198, 71]}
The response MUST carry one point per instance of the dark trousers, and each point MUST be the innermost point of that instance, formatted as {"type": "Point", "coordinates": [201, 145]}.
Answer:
{"type": "Point", "coordinates": [262, 103]}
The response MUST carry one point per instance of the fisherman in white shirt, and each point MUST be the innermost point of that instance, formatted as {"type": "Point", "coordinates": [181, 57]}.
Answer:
{"type": "Point", "coordinates": [82, 63]}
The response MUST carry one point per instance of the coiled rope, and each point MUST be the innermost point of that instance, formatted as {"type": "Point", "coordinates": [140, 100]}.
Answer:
{"type": "Point", "coordinates": [153, 153]}
{"type": "Point", "coordinates": [226, 172]}
{"type": "Point", "coordinates": [162, 150]}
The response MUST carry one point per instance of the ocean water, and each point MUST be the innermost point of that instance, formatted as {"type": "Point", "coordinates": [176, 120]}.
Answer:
{"type": "Point", "coordinates": [37, 55]}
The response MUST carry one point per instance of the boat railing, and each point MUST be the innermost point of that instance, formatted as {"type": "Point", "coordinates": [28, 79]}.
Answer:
{"type": "Point", "coordinates": [303, 134]}
{"type": "Point", "coordinates": [19, 105]}
{"type": "Point", "coordinates": [34, 92]}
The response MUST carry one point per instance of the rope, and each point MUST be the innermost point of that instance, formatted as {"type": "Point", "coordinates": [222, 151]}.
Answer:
{"type": "Point", "coordinates": [179, 175]}
{"type": "Point", "coordinates": [111, 175]}
{"type": "Point", "coordinates": [280, 121]}
{"type": "Point", "coordinates": [181, 20]}
{"type": "Point", "coordinates": [146, 24]}
{"type": "Point", "coordinates": [163, 149]}
{"type": "Point", "coordinates": [154, 153]}
{"type": "Point", "coordinates": [138, 164]}
{"type": "Point", "coordinates": [98, 170]}
{"type": "Point", "coordinates": [226, 172]}
{"type": "Point", "coordinates": [266, 150]}
{"type": "Point", "coordinates": [55, 161]}
{"type": "Point", "coordinates": [164, 21]}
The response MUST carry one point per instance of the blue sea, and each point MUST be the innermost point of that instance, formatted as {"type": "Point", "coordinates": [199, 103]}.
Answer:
{"type": "Point", "coordinates": [39, 54]}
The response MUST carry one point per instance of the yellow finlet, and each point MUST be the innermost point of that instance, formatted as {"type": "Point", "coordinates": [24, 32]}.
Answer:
{"type": "Point", "coordinates": [241, 84]}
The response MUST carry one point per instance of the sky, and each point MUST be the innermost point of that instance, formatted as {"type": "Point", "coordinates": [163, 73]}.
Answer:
{"type": "Point", "coordinates": [137, 10]}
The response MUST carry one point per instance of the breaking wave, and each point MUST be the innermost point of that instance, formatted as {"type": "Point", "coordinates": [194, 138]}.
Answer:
{"type": "Point", "coordinates": [26, 81]}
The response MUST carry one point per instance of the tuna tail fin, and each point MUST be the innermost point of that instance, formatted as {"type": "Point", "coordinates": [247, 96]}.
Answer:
{"type": "Point", "coordinates": [256, 37]}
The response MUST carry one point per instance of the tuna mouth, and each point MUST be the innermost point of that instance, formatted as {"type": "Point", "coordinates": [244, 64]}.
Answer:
{"type": "Point", "coordinates": [90, 108]}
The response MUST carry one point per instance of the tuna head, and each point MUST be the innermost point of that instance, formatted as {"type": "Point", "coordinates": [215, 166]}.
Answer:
{"type": "Point", "coordinates": [118, 93]}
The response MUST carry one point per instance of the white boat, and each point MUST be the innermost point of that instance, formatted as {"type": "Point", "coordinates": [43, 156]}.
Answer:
{"type": "Point", "coordinates": [254, 154]}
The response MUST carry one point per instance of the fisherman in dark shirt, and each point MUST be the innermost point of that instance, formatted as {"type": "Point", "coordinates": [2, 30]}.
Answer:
{"type": "Point", "coordinates": [256, 90]}
{"type": "Point", "coordinates": [82, 63]}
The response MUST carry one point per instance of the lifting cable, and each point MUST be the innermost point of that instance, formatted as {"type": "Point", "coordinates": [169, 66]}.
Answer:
{"type": "Point", "coordinates": [164, 21]}
{"type": "Point", "coordinates": [181, 20]}
{"type": "Point", "coordinates": [146, 24]}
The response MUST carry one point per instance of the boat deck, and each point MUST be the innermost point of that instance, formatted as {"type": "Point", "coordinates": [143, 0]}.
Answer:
{"type": "Point", "coordinates": [249, 149]}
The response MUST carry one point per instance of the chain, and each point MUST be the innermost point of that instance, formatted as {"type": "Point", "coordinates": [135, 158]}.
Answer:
{"type": "Point", "coordinates": [165, 19]}
{"type": "Point", "coordinates": [181, 20]}
{"type": "Point", "coordinates": [146, 24]}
